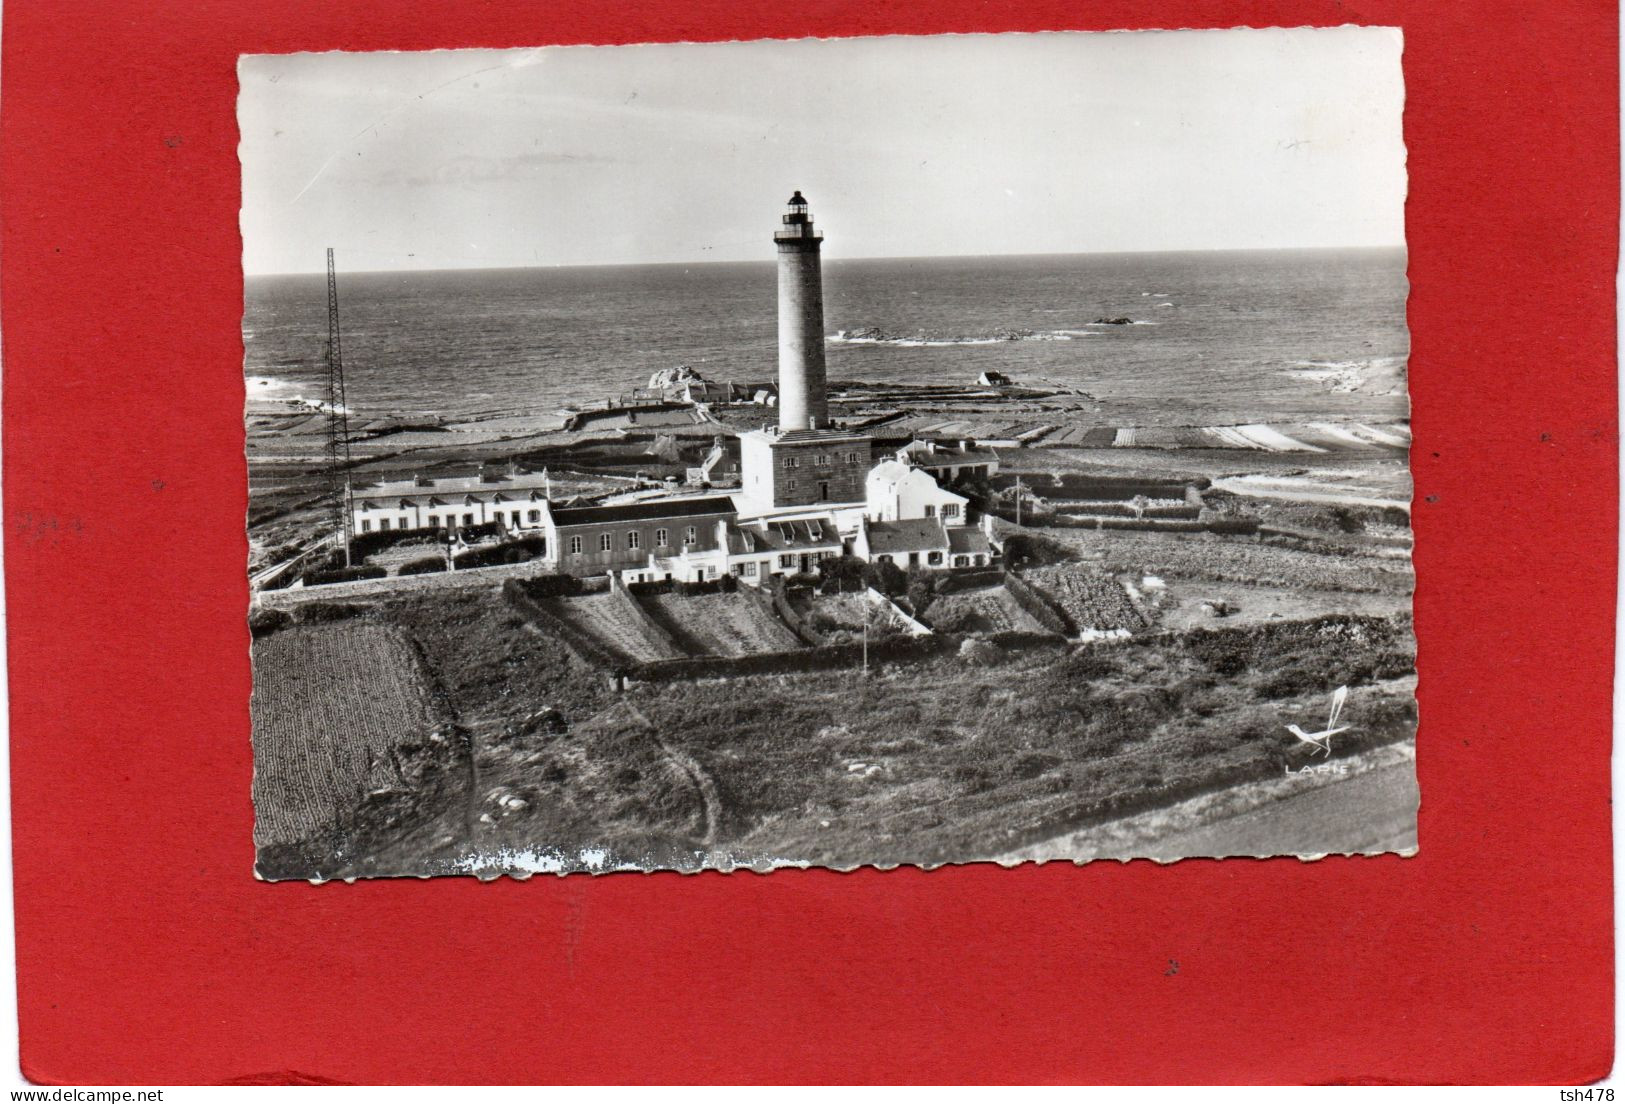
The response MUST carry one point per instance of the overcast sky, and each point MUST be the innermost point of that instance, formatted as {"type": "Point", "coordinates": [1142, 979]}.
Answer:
{"type": "Point", "coordinates": [975, 144]}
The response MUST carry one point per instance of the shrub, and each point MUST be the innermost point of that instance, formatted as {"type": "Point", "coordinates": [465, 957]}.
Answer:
{"type": "Point", "coordinates": [548, 586]}
{"type": "Point", "coordinates": [887, 578]}
{"type": "Point", "coordinates": [320, 612]}
{"type": "Point", "coordinates": [423, 567]}
{"type": "Point", "coordinates": [1347, 520]}
{"type": "Point", "coordinates": [923, 587]}
{"type": "Point", "coordinates": [1021, 549]}
{"type": "Point", "coordinates": [840, 573]}
{"type": "Point", "coordinates": [486, 531]}
{"type": "Point", "coordinates": [264, 621]}
{"type": "Point", "coordinates": [343, 575]}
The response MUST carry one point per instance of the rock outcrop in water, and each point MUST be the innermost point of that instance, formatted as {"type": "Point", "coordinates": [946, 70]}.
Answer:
{"type": "Point", "coordinates": [671, 377]}
{"type": "Point", "coordinates": [1113, 322]}
{"type": "Point", "coordinates": [878, 336]}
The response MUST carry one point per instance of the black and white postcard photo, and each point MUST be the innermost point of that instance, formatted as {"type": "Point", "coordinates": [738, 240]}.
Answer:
{"type": "Point", "coordinates": [831, 453]}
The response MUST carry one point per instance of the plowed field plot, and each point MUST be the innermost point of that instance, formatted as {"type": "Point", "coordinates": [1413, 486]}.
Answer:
{"type": "Point", "coordinates": [988, 609]}
{"type": "Point", "coordinates": [720, 624]}
{"type": "Point", "coordinates": [613, 625]}
{"type": "Point", "coordinates": [1092, 599]}
{"type": "Point", "coordinates": [330, 704]}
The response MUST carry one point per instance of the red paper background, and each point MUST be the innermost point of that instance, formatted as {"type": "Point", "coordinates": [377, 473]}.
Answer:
{"type": "Point", "coordinates": [148, 954]}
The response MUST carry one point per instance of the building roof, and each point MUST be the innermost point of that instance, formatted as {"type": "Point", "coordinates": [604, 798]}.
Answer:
{"type": "Point", "coordinates": [817, 532]}
{"type": "Point", "coordinates": [891, 471]}
{"type": "Point", "coordinates": [644, 511]}
{"type": "Point", "coordinates": [809, 436]}
{"type": "Point", "coordinates": [892, 474]}
{"type": "Point", "coordinates": [968, 539]}
{"type": "Point", "coordinates": [929, 454]}
{"type": "Point", "coordinates": [466, 484]}
{"type": "Point", "coordinates": [914, 535]}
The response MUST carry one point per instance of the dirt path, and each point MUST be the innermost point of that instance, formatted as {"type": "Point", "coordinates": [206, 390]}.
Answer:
{"type": "Point", "coordinates": [704, 785]}
{"type": "Point", "coordinates": [1369, 813]}
{"type": "Point", "coordinates": [1368, 810]}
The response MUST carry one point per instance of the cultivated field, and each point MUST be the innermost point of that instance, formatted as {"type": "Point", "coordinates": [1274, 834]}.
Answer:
{"type": "Point", "coordinates": [720, 624]}
{"type": "Point", "coordinates": [332, 706]}
{"type": "Point", "coordinates": [614, 625]}
{"type": "Point", "coordinates": [982, 610]}
{"type": "Point", "coordinates": [1091, 599]}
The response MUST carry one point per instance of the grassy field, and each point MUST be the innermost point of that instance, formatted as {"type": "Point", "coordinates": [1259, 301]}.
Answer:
{"type": "Point", "coordinates": [940, 761]}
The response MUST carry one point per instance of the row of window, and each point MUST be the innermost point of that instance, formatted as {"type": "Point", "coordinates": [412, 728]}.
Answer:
{"type": "Point", "coordinates": [935, 559]}
{"type": "Point", "coordinates": [789, 560]}
{"type": "Point", "coordinates": [949, 509]}
{"type": "Point", "coordinates": [437, 521]}
{"type": "Point", "coordinates": [823, 460]}
{"type": "Point", "coordinates": [791, 486]}
{"type": "Point", "coordinates": [634, 540]}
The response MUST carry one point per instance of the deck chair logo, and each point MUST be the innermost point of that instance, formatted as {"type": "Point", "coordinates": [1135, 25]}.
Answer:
{"type": "Point", "coordinates": [1322, 741]}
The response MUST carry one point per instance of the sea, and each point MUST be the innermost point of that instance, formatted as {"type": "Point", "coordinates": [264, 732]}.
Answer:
{"type": "Point", "coordinates": [1211, 337]}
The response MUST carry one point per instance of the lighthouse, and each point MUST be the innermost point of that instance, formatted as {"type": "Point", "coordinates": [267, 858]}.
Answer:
{"type": "Point", "coordinates": [804, 467]}
{"type": "Point", "coordinates": [802, 401]}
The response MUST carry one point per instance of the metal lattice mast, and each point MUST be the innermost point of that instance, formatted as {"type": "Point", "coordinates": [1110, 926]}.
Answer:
{"type": "Point", "coordinates": [338, 413]}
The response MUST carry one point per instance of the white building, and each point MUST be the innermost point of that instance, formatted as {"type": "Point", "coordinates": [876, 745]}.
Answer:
{"type": "Point", "coordinates": [515, 501]}
{"type": "Point", "coordinates": [925, 542]}
{"type": "Point", "coordinates": [899, 492]}
{"type": "Point", "coordinates": [753, 551]}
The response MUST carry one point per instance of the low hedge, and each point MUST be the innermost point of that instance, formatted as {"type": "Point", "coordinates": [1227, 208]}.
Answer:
{"type": "Point", "coordinates": [1123, 509]}
{"type": "Point", "coordinates": [1014, 640]}
{"type": "Point", "coordinates": [548, 586]}
{"type": "Point", "coordinates": [507, 552]}
{"type": "Point", "coordinates": [969, 578]}
{"type": "Point", "coordinates": [725, 584]}
{"type": "Point", "coordinates": [319, 612]}
{"type": "Point", "coordinates": [363, 545]}
{"type": "Point", "coordinates": [830, 657]}
{"type": "Point", "coordinates": [343, 575]}
{"type": "Point", "coordinates": [423, 567]}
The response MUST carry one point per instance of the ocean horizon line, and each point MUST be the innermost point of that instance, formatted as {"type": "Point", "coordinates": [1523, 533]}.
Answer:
{"type": "Point", "coordinates": [319, 272]}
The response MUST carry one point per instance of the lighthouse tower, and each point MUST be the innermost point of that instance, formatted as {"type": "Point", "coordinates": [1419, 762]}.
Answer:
{"type": "Point", "coordinates": [803, 467]}
{"type": "Point", "coordinates": [802, 401]}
